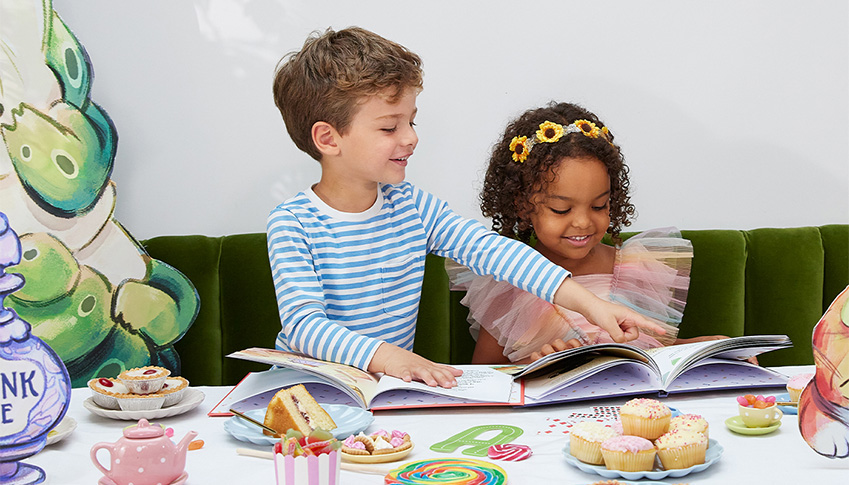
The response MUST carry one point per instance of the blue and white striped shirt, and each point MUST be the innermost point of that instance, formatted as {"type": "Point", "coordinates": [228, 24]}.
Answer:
{"type": "Point", "coordinates": [345, 282]}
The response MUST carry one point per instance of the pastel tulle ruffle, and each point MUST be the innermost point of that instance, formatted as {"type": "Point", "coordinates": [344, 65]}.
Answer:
{"type": "Point", "coordinates": [651, 275]}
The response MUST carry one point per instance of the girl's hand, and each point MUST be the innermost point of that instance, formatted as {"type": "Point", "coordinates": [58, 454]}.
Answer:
{"type": "Point", "coordinates": [555, 346]}
{"type": "Point", "coordinates": [405, 365]}
{"type": "Point", "coordinates": [621, 323]}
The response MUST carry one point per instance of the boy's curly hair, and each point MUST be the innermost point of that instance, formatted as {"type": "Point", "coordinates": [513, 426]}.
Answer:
{"type": "Point", "coordinates": [332, 72]}
{"type": "Point", "coordinates": [510, 187]}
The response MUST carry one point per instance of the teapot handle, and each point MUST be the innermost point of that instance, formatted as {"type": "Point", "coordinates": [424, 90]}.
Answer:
{"type": "Point", "coordinates": [95, 449]}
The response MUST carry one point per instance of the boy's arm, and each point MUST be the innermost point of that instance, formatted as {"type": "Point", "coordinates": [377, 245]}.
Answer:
{"type": "Point", "coordinates": [486, 252]}
{"type": "Point", "coordinates": [306, 327]}
{"type": "Point", "coordinates": [621, 323]}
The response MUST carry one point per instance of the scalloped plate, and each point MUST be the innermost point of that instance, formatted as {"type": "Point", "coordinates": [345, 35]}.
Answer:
{"type": "Point", "coordinates": [191, 399]}
{"type": "Point", "coordinates": [714, 452]}
{"type": "Point", "coordinates": [786, 409]}
{"type": "Point", "coordinates": [349, 420]}
{"type": "Point", "coordinates": [63, 429]}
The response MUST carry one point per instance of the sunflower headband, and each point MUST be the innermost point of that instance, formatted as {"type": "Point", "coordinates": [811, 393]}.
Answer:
{"type": "Point", "coordinates": [550, 132]}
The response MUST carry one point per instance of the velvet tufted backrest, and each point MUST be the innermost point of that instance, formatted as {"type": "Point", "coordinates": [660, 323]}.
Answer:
{"type": "Point", "coordinates": [742, 282]}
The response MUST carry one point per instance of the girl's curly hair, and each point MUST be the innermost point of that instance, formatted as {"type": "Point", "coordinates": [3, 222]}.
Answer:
{"type": "Point", "coordinates": [510, 187]}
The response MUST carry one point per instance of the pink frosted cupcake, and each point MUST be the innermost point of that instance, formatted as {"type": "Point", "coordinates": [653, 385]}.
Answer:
{"type": "Point", "coordinates": [646, 418]}
{"type": "Point", "coordinates": [585, 441]}
{"type": "Point", "coordinates": [681, 449]}
{"type": "Point", "coordinates": [797, 384]}
{"type": "Point", "coordinates": [628, 454]}
{"type": "Point", "coordinates": [689, 422]}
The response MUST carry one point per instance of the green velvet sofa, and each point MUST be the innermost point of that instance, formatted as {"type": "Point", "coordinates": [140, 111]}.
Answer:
{"type": "Point", "coordinates": [761, 281]}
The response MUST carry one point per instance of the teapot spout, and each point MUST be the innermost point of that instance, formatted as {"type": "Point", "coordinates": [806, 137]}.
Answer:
{"type": "Point", "coordinates": [183, 445]}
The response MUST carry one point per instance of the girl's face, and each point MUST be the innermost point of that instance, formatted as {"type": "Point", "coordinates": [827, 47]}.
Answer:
{"type": "Point", "coordinates": [572, 214]}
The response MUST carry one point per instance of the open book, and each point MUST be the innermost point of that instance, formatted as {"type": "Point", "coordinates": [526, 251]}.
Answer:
{"type": "Point", "coordinates": [605, 370]}
{"type": "Point", "coordinates": [334, 383]}
{"type": "Point", "coordinates": [589, 372]}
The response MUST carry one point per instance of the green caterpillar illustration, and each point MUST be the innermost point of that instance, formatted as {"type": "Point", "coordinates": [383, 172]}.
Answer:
{"type": "Point", "coordinates": [92, 293]}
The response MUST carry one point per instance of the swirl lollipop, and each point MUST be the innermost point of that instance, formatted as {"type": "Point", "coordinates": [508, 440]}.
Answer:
{"type": "Point", "coordinates": [451, 471]}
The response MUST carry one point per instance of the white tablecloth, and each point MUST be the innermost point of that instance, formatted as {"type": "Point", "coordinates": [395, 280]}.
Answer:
{"type": "Point", "coordinates": [782, 457]}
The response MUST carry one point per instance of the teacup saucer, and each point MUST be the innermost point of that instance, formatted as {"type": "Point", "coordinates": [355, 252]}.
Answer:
{"type": "Point", "coordinates": [735, 424]}
{"type": "Point", "coordinates": [181, 480]}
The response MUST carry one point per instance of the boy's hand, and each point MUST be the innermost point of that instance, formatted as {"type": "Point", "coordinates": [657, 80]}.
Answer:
{"type": "Point", "coordinates": [555, 346]}
{"type": "Point", "coordinates": [621, 323]}
{"type": "Point", "coordinates": [403, 364]}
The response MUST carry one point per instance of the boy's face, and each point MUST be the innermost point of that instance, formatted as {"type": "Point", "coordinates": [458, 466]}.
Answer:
{"type": "Point", "coordinates": [380, 139]}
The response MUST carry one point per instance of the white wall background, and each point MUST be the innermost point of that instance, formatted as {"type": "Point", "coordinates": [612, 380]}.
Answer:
{"type": "Point", "coordinates": [731, 113]}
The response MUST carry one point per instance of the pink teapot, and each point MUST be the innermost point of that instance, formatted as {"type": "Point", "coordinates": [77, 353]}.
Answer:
{"type": "Point", "coordinates": [144, 456]}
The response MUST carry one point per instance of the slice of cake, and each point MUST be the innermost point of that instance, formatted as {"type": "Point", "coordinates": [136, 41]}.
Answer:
{"type": "Point", "coordinates": [294, 408]}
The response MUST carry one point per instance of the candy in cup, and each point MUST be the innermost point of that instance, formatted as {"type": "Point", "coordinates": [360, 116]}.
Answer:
{"type": "Point", "coordinates": [303, 460]}
{"type": "Point", "coordinates": [758, 411]}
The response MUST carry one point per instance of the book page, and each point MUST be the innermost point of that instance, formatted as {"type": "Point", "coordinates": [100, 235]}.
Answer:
{"type": "Point", "coordinates": [258, 382]}
{"type": "Point", "coordinates": [479, 383]}
{"type": "Point", "coordinates": [539, 387]}
{"type": "Point", "coordinates": [359, 383]}
{"type": "Point", "coordinates": [711, 373]}
{"type": "Point", "coordinates": [552, 361]}
{"type": "Point", "coordinates": [676, 359]}
{"type": "Point", "coordinates": [629, 378]}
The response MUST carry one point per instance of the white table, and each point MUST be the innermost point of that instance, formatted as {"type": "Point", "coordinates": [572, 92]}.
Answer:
{"type": "Point", "coordinates": [778, 458]}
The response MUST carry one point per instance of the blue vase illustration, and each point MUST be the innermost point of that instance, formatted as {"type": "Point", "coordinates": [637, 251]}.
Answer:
{"type": "Point", "coordinates": [34, 385]}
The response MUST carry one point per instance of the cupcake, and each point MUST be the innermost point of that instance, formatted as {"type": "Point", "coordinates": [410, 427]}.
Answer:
{"type": "Point", "coordinates": [681, 449]}
{"type": "Point", "coordinates": [646, 418]}
{"type": "Point", "coordinates": [144, 380]}
{"type": "Point", "coordinates": [585, 441]}
{"type": "Point", "coordinates": [105, 392]}
{"type": "Point", "coordinates": [628, 454]}
{"type": "Point", "coordinates": [796, 384]}
{"type": "Point", "coordinates": [689, 422]}
{"type": "Point", "coordinates": [173, 390]}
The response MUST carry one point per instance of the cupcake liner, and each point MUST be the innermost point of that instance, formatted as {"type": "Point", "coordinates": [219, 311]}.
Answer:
{"type": "Point", "coordinates": [627, 461]}
{"type": "Point", "coordinates": [682, 456]}
{"type": "Point", "coordinates": [648, 428]}
{"type": "Point", "coordinates": [586, 451]}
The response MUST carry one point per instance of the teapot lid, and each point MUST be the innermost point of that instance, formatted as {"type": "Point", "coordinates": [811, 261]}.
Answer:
{"type": "Point", "coordinates": [143, 430]}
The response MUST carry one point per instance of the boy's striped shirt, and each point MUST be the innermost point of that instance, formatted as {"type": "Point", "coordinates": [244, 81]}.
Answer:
{"type": "Point", "coordinates": [345, 282]}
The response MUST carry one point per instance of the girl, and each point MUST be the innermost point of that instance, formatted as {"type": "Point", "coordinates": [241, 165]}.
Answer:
{"type": "Point", "coordinates": [557, 181]}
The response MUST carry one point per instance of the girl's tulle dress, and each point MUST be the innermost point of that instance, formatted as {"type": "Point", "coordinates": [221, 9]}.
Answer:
{"type": "Point", "coordinates": [651, 275]}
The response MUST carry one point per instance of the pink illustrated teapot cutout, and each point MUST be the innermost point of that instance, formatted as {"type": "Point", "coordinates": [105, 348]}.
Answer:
{"type": "Point", "coordinates": [144, 456]}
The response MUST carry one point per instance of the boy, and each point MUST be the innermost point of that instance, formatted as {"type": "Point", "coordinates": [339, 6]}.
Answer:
{"type": "Point", "coordinates": [347, 255]}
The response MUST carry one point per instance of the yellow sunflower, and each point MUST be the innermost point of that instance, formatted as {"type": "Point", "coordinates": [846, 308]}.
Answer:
{"type": "Point", "coordinates": [605, 133]}
{"type": "Point", "coordinates": [549, 132]}
{"type": "Point", "coordinates": [519, 147]}
{"type": "Point", "coordinates": [588, 128]}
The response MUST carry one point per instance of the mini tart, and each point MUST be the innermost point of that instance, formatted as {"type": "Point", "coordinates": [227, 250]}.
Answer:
{"type": "Point", "coordinates": [140, 402]}
{"type": "Point", "coordinates": [173, 390]}
{"type": "Point", "coordinates": [628, 453]}
{"type": "Point", "coordinates": [144, 380]}
{"type": "Point", "coordinates": [585, 441]}
{"type": "Point", "coordinates": [646, 418]}
{"type": "Point", "coordinates": [681, 449]}
{"type": "Point", "coordinates": [104, 391]}
{"type": "Point", "coordinates": [689, 422]}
